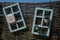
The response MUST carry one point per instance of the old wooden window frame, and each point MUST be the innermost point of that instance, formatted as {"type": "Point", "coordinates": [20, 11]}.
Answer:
{"type": "Point", "coordinates": [41, 25]}
{"type": "Point", "coordinates": [20, 12]}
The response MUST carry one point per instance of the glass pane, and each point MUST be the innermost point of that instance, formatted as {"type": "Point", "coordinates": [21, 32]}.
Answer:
{"type": "Point", "coordinates": [44, 30]}
{"type": "Point", "coordinates": [13, 26]}
{"type": "Point", "coordinates": [17, 16]}
{"type": "Point", "coordinates": [38, 21]}
{"type": "Point", "coordinates": [39, 12]}
{"type": "Point", "coordinates": [15, 8]}
{"type": "Point", "coordinates": [20, 24]}
{"type": "Point", "coordinates": [37, 29]}
{"type": "Point", "coordinates": [47, 13]}
{"type": "Point", "coordinates": [8, 10]}
{"type": "Point", "coordinates": [46, 22]}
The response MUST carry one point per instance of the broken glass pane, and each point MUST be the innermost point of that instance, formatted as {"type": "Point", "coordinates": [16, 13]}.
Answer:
{"type": "Point", "coordinates": [37, 29]}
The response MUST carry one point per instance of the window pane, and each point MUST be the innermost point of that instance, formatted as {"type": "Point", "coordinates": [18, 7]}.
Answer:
{"type": "Point", "coordinates": [39, 12]}
{"type": "Point", "coordinates": [37, 29]}
{"type": "Point", "coordinates": [38, 21]}
{"type": "Point", "coordinates": [44, 30]}
{"type": "Point", "coordinates": [15, 8]}
{"type": "Point", "coordinates": [17, 16]}
{"type": "Point", "coordinates": [20, 24]}
{"type": "Point", "coordinates": [8, 10]}
{"type": "Point", "coordinates": [13, 26]}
